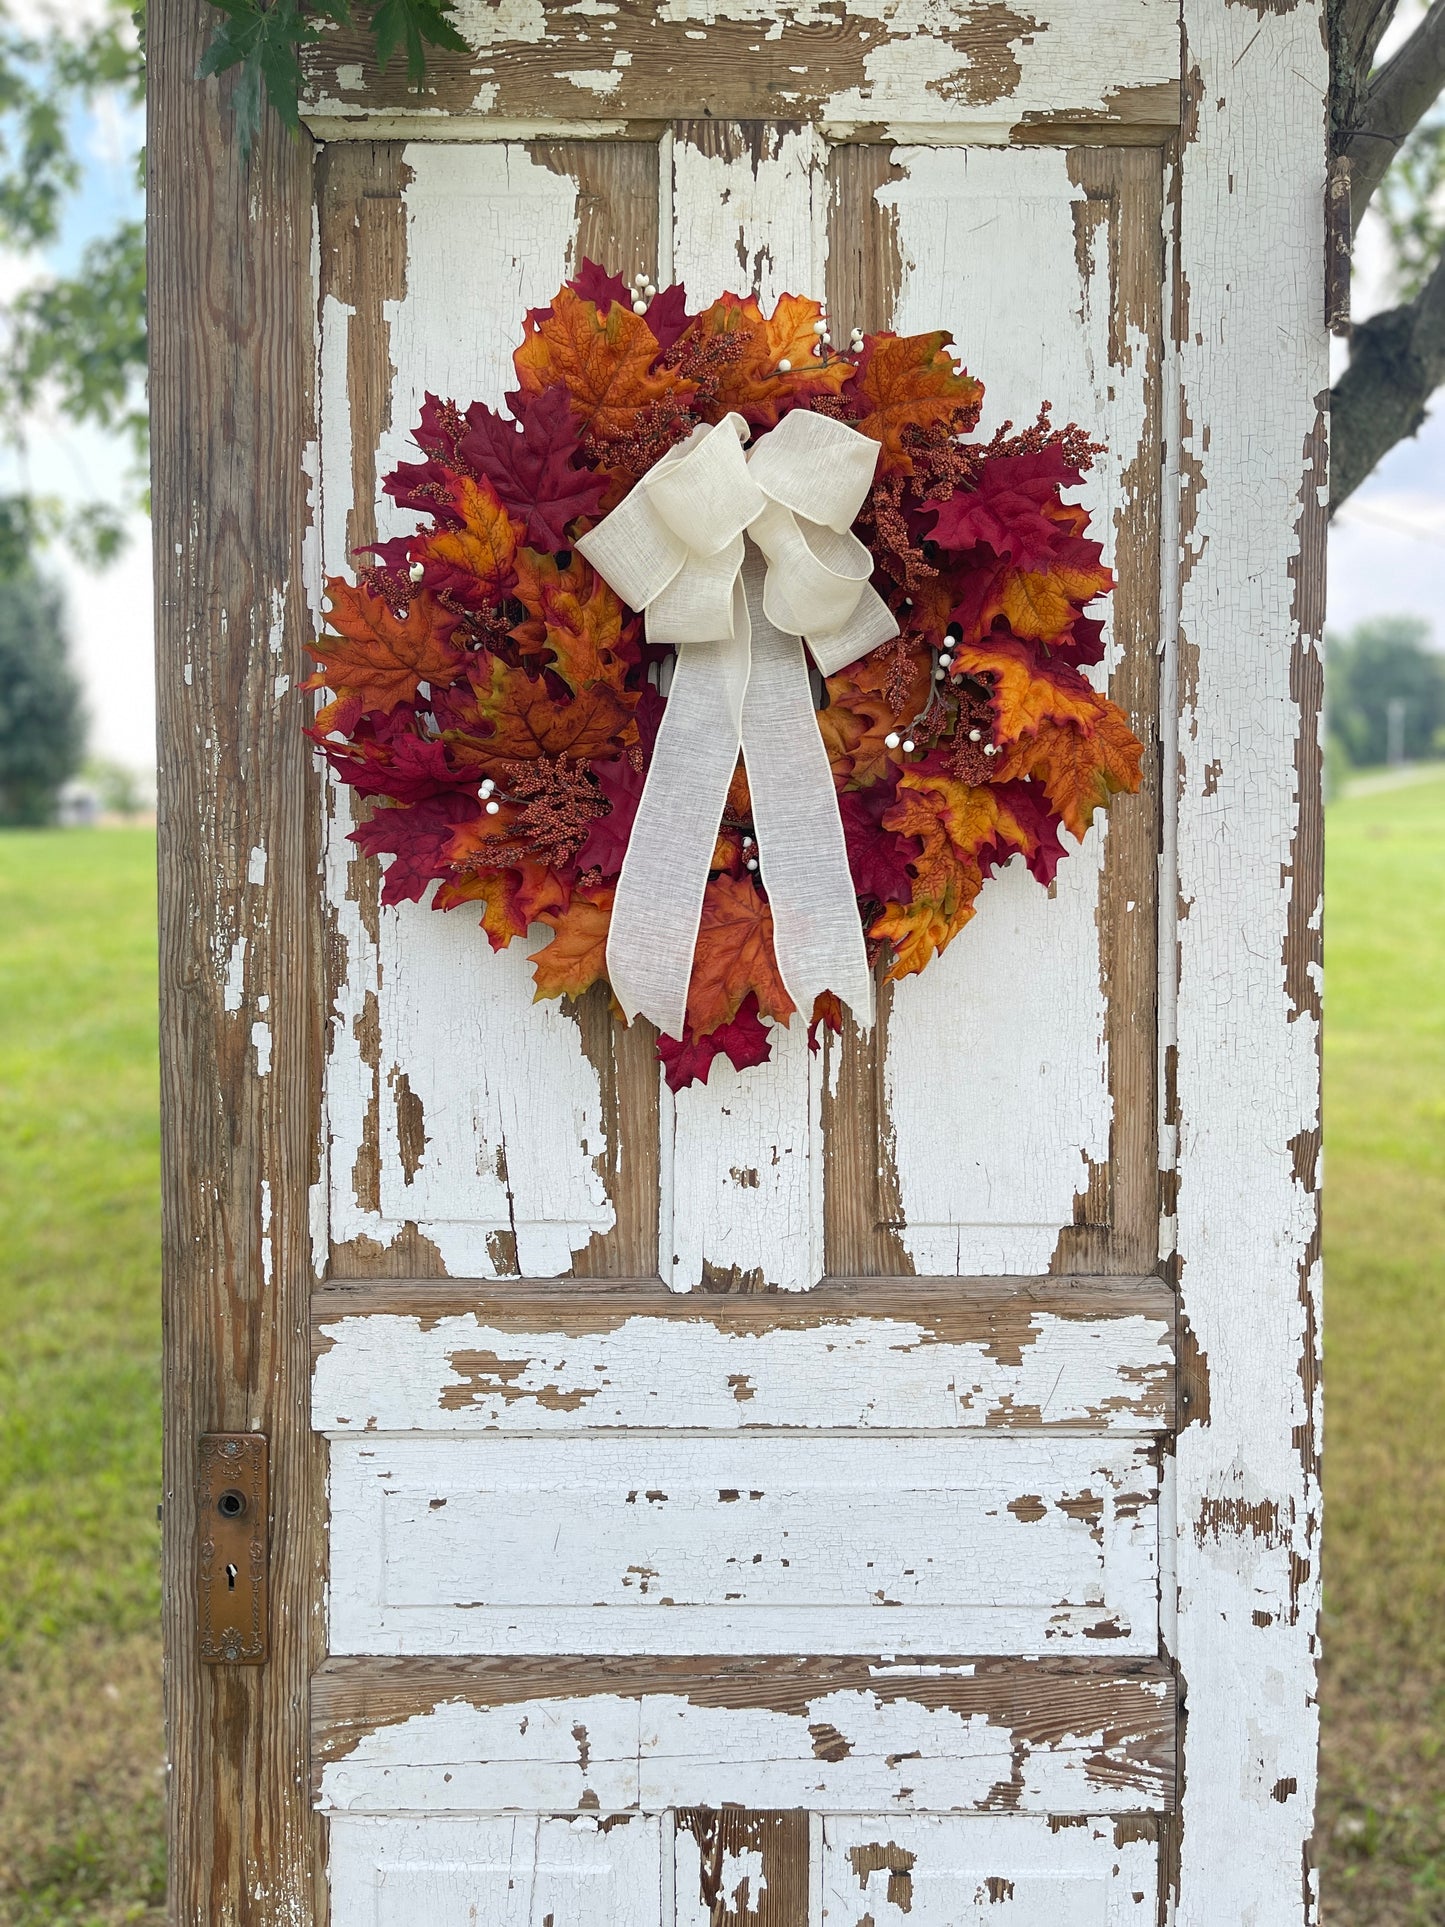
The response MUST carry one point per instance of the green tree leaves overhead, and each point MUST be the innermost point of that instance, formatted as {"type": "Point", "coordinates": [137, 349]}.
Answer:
{"type": "Point", "coordinates": [265, 37]}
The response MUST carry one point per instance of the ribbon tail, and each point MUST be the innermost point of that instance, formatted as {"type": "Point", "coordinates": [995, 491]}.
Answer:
{"type": "Point", "coordinates": [804, 857]}
{"type": "Point", "coordinates": [658, 904]}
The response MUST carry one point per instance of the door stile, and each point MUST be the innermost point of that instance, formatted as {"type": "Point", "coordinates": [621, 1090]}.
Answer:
{"type": "Point", "coordinates": [231, 384]}
{"type": "Point", "coordinates": [1252, 353]}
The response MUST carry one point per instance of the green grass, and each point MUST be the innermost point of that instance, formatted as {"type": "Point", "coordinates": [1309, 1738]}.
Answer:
{"type": "Point", "coordinates": [1383, 1698]}
{"type": "Point", "coordinates": [79, 1381]}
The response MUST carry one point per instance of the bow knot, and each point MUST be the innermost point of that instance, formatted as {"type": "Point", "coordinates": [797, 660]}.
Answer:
{"type": "Point", "coordinates": [677, 547]}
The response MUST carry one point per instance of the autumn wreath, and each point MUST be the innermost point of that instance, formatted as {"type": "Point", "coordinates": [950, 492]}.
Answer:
{"type": "Point", "coordinates": [490, 684]}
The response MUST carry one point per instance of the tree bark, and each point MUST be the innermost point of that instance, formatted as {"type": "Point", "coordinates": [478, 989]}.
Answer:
{"type": "Point", "coordinates": [1394, 101]}
{"type": "Point", "coordinates": [1397, 361]}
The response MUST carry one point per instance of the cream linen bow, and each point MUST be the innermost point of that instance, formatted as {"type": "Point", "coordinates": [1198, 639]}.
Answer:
{"type": "Point", "coordinates": [678, 547]}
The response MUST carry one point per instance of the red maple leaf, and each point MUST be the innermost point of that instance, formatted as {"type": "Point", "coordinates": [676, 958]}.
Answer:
{"type": "Point", "coordinates": [529, 461]}
{"type": "Point", "coordinates": [744, 1041]}
{"type": "Point", "coordinates": [415, 837]}
{"type": "Point", "coordinates": [878, 858]}
{"type": "Point", "coordinates": [1009, 510]}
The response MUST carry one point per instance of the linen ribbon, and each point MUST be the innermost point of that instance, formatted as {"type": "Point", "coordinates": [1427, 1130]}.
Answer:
{"type": "Point", "coordinates": [680, 547]}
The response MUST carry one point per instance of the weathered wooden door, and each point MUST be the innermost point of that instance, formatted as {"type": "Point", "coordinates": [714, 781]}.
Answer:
{"type": "Point", "coordinates": [881, 1484]}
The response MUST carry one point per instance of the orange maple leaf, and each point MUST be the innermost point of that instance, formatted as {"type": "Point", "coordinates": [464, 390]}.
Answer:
{"type": "Point", "coordinates": [750, 379]}
{"type": "Point", "coordinates": [604, 362]}
{"type": "Point", "coordinates": [1040, 606]}
{"type": "Point", "coordinates": [483, 548]}
{"type": "Point", "coordinates": [1080, 769]}
{"type": "Point", "coordinates": [576, 957]}
{"type": "Point", "coordinates": [527, 720]}
{"type": "Point", "coordinates": [909, 381]}
{"type": "Point", "coordinates": [734, 955]}
{"type": "Point", "coordinates": [377, 659]}
{"type": "Point", "coordinates": [574, 615]}
{"type": "Point", "coordinates": [512, 900]}
{"type": "Point", "coordinates": [859, 716]}
{"type": "Point", "coordinates": [953, 821]}
{"type": "Point", "coordinates": [1026, 693]}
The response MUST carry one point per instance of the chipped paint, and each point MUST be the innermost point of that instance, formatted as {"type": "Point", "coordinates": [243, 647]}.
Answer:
{"type": "Point", "coordinates": [877, 1373]}
{"type": "Point", "coordinates": [541, 1538]}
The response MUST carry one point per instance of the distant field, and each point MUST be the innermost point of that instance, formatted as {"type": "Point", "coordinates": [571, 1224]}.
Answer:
{"type": "Point", "coordinates": [80, 1748]}
{"type": "Point", "coordinates": [1382, 1827]}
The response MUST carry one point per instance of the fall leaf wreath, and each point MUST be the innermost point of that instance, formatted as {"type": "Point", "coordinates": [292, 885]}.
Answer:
{"type": "Point", "coordinates": [491, 684]}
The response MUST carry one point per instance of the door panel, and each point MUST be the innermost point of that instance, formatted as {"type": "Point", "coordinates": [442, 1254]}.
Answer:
{"type": "Point", "coordinates": [441, 1159]}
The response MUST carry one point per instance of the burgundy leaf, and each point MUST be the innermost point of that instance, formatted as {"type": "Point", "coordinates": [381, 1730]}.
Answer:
{"type": "Point", "coordinates": [744, 1041]}
{"type": "Point", "coordinates": [414, 838]}
{"type": "Point", "coordinates": [529, 463]}
{"type": "Point", "coordinates": [1007, 510]}
{"type": "Point", "coordinates": [878, 858]}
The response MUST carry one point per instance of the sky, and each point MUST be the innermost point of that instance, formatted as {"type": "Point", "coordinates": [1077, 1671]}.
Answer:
{"type": "Point", "coordinates": [1386, 549]}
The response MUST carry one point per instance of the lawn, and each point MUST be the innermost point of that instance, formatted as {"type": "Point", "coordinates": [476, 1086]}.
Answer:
{"type": "Point", "coordinates": [80, 1748]}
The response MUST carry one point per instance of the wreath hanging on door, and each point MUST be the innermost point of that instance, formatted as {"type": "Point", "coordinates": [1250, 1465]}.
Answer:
{"type": "Point", "coordinates": [550, 682]}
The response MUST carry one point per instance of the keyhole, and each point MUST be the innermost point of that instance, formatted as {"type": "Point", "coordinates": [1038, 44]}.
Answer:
{"type": "Point", "coordinates": [231, 1504]}
{"type": "Point", "coordinates": [230, 1579]}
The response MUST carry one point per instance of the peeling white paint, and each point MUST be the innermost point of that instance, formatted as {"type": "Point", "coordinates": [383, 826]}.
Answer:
{"type": "Point", "coordinates": [234, 987]}
{"type": "Point", "coordinates": [261, 1044]}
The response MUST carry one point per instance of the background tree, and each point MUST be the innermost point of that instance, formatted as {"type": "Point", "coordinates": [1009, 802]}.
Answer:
{"type": "Point", "coordinates": [1385, 662]}
{"type": "Point", "coordinates": [1388, 130]}
{"type": "Point", "coordinates": [42, 724]}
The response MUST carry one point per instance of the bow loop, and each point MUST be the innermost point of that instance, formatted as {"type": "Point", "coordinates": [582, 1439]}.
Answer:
{"type": "Point", "coordinates": [677, 548]}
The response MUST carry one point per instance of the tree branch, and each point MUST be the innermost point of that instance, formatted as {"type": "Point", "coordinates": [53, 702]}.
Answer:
{"type": "Point", "coordinates": [1405, 88]}
{"type": "Point", "coordinates": [1397, 361]}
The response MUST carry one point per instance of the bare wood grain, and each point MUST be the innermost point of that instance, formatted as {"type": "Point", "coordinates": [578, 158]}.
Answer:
{"type": "Point", "coordinates": [1128, 1705]}
{"type": "Point", "coordinates": [231, 388]}
{"type": "Point", "coordinates": [550, 66]}
{"type": "Point", "coordinates": [777, 1896]}
{"type": "Point", "coordinates": [1116, 1222]}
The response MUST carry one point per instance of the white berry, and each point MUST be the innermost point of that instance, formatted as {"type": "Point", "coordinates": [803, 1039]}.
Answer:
{"type": "Point", "coordinates": [946, 660]}
{"type": "Point", "coordinates": [747, 842]}
{"type": "Point", "coordinates": [417, 571]}
{"type": "Point", "coordinates": [990, 749]}
{"type": "Point", "coordinates": [892, 739]}
{"type": "Point", "coordinates": [649, 290]}
{"type": "Point", "coordinates": [938, 673]}
{"type": "Point", "coordinates": [785, 367]}
{"type": "Point", "coordinates": [820, 327]}
{"type": "Point", "coordinates": [752, 863]}
{"type": "Point", "coordinates": [908, 745]}
{"type": "Point", "coordinates": [975, 735]}
{"type": "Point", "coordinates": [488, 786]}
{"type": "Point", "coordinates": [639, 307]}
{"type": "Point", "coordinates": [639, 280]}
{"type": "Point", "coordinates": [493, 809]}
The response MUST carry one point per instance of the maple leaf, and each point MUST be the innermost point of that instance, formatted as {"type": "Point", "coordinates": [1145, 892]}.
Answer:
{"type": "Point", "coordinates": [1008, 509]}
{"type": "Point", "coordinates": [473, 558]}
{"type": "Point", "coordinates": [604, 363]}
{"type": "Point", "coordinates": [827, 1015]}
{"type": "Point", "coordinates": [593, 283]}
{"type": "Point", "coordinates": [576, 958]}
{"type": "Point", "coordinates": [667, 315]}
{"type": "Point", "coordinates": [415, 836]}
{"type": "Point", "coordinates": [1079, 769]}
{"type": "Point", "coordinates": [378, 659]}
{"type": "Point", "coordinates": [622, 781]}
{"type": "Point", "coordinates": [529, 461]}
{"type": "Point", "coordinates": [1026, 691]}
{"type": "Point", "coordinates": [401, 764]}
{"type": "Point", "coordinates": [512, 900]}
{"type": "Point", "coordinates": [746, 377]}
{"type": "Point", "coordinates": [576, 616]}
{"type": "Point", "coordinates": [1040, 605]}
{"type": "Point", "coordinates": [862, 711]}
{"type": "Point", "coordinates": [734, 955]}
{"type": "Point", "coordinates": [525, 719]}
{"type": "Point", "coordinates": [1032, 827]}
{"type": "Point", "coordinates": [744, 1041]}
{"type": "Point", "coordinates": [909, 381]}
{"type": "Point", "coordinates": [954, 823]}
{"type": "Point", "coordinates": [877, 858]}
